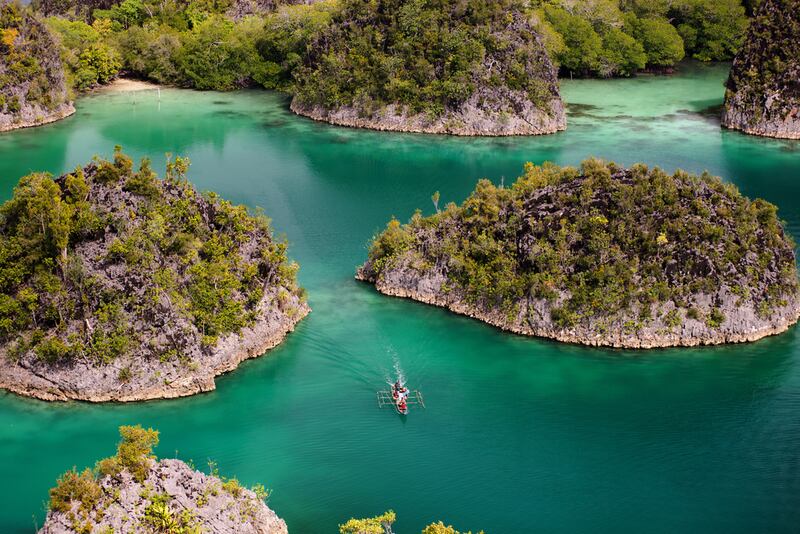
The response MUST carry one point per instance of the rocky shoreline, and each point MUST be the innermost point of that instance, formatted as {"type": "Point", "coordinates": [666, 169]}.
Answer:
{"type": "Point", "coordinates": [172, 493]}
{"type": "Point", "coordinates": [762, 96]}
{"type": "Point", "coordinates": [31, 117]}
{"type": "Point", "coordinates": [166, 380]}
{"type": "Point", "coordinates": [692, 334]}
{"type": "Point", "coordinates": [468, 121]}
{"type": "Point", "coordinates": [600, 256]}
{"type": "Point", "coordinates": [734, 118]}
{"type": "Point", "coordinates": [154, 289]}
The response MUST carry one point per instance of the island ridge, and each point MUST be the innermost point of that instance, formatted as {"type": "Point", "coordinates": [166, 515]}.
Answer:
{"type": "Point", "coordinates": [602, 256]}
{"type": "Point", "coordinates": [118, 286]}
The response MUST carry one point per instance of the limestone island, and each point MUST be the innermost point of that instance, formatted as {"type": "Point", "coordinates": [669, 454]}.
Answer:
{"type": "Point", "coordinates": [448, 67]}
{"type": "Point", "coordinates": [118, 286]}
{"type": "Point", "coordinates": [135, 492]}
{"type": "Point", "coordinates": [601, 256]}
{"type": "Point", "coordinates": [763, 96]}
{"type": "Point", "coordinates": [33, 88]}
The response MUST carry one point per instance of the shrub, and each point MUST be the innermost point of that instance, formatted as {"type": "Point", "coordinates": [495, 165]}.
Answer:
{"type": "Point", "coordinates": [372, 525]}
{"type": "Point", "coordinates": [591, 237]}
{"type": "Point", "coordinates": [134, 453]}
{"type": "Point", "coordinates": [73, 487]}
{"type": "Point", "coordinates": [53, 350]}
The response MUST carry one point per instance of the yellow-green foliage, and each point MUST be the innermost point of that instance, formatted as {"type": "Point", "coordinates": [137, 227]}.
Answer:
{"type": "Point", "coordinates": [609, 240]}
{"type": "Point", "coordinates": [134, 453]}
{"type": "Point", "coordinates": [193, 249]}
{"type": "Point", "coordinates": [163, 520]}
{"type": "Point", "coordinates": [29, 61]}
{"type": "Point", "coordinates": [73, 487]}
{"type": "Point", "coordinates": [440, 528]}
{"type": "Point", "coordinates": [371, 525]}
{"type": "Point", "coordinates": [233, 487]}
{"type": "Point", "coordinates": [89, 59]}
{"type": "Point", "coordinates": [429, 56]}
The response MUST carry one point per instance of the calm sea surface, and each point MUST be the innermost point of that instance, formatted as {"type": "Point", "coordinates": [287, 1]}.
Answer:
{"type": "Point", "coordinates": [520, 435]}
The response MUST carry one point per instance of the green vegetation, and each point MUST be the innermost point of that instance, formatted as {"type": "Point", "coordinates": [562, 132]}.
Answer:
{"type": "Point", "coordinates": [195, 45]}
{"type": "Point", "coordinates": [28, 69]}
{"type": "Point", "coordinates": [134, 453]}
{"type": "Point", "coordinates": [90, 61]}
{"type": "Point", "coordinates": [371, 525]}
{"type": "Point", "coordinates": [85, 497]}
{"type": "Point", "coordinates": [762, 87]}
{"type": "Point", "coordinates": [425, 55]}
{"type": "Point", "coordinates": [382, 523]}
{"type": "Point", "coordinates": [599, 244]}
{"type": "Point", "coordinates": [109, 259]}
{"type": "Point", "coordinates": [441, 528]}
{"type": "Point", "coordinates": [613, 38]}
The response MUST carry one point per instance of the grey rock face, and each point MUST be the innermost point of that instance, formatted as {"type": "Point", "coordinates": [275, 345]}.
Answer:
{"type": "Point", "coordinates": [210, 505]}
{"type": "Point", "coordinates": [163, 324]}
{"type": "Point", "coordinates": [491, 110]}
{"type": "Point", "coordinates": [32, 100]}
{"type": "Point", "coordinates": [423, 270]}
{"type": "Point", "coordinates": [742, 324]}
{"type": "Point", "coordinates": [763, 96]}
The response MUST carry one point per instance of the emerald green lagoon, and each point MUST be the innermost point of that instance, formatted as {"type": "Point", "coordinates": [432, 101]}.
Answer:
{"type": "Point", "coordinates": [519, 435]}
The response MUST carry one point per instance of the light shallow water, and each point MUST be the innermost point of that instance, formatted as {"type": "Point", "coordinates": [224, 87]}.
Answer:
{"type": "Point", "coordinates": [520, 435]}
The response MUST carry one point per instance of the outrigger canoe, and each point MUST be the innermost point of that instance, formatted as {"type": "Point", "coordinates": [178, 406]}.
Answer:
{"type": "Point", "coordinates": [387, 398]}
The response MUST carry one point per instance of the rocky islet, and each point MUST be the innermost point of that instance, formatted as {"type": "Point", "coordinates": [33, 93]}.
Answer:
{"type": "Point", "coordinates": [119, 286]}
{"type": "Point", "coordinates": [601, 256]}
{"type": "Point", "coordinates": [763, 96]}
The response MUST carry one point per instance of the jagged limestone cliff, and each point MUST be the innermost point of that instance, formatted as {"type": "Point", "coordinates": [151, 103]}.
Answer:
{"type": "Point", "coordinates": [763, 96]}
{"type": "Point", "coordinates": [33, 88]}
{"type": "Point", "coordinates": [461, 68]}
{"type": "Point", "coordinates": [134, 492]}
{"type": "Point", "coordinates": [600, 256]}
{"type": "Point", "coordinates": [242, 8]}
{"type": "Point", "coordinates": [118, 286]}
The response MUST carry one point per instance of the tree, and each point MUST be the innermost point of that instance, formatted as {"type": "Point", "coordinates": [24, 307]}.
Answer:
{"type": "Point", "coordinates": [123, 15]}
{"type": "Point", "coordinates": [90, 61]}
{"type": "Point", "coordinates": [134, 453]}
{"type": "Point", "coordinates": [374, 525]}
{"type": "Point", "coordinates": [661, 41]}
{"type": "Point", "coordinates": [214, 56]}
{"type": "Point", "coordinates": [621, 54]}
{"type": "Point", "coordinates": [440, 528]}
{"type": "Point", "coordinates": [600, 13]}
{"type": "Point", "coordinates": [581, 43]}
{"type": "Point", "coordinates": [712, 30]}
{"type": "Point", "coordinates": [45, 219]}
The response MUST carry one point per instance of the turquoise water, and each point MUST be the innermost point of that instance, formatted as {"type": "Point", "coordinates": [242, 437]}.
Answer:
{"type": "Point", "coordinates": [520, 435]}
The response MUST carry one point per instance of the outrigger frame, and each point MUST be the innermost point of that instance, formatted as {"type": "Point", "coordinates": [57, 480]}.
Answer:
{"type": "Point", "coordinates": [414, 398]}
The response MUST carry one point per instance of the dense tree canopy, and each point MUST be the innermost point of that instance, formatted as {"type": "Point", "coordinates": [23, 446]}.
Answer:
{"type": "Point", "coordinates": [612, 38]}
{"type": "Point", "coordinates": [425, 54]}
{"type": "Point", "coordinates": [406, 50]}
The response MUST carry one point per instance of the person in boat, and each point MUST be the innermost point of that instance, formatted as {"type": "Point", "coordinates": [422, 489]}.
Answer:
{"type": "Point", "coordinates": [396, 387]}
